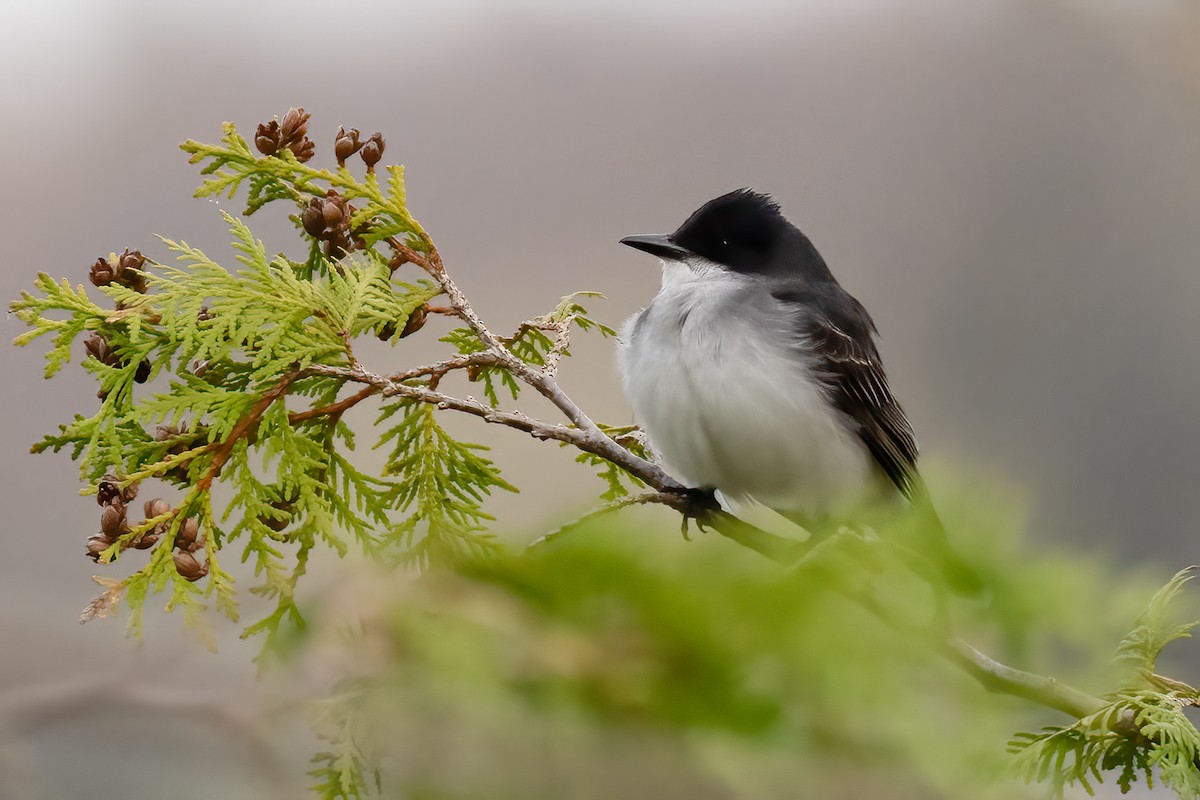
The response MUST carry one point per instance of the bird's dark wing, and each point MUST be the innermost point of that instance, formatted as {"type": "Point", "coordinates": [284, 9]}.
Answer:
{"type": "Point", "coordinates": [839, 332]}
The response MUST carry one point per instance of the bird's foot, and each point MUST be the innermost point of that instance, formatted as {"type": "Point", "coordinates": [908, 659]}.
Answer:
{"type": "Point", "coordinates": [693, 504]}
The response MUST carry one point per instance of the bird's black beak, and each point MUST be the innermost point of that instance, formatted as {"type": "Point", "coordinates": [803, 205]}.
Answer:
{"type": "Point", "coordinates": [657, 245]}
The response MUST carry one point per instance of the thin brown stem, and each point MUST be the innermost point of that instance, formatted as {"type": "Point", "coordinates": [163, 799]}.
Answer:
{"type": "Point", "coordinates": [242, 427]}
{"type": "Point", "coordinates": [334, 409]}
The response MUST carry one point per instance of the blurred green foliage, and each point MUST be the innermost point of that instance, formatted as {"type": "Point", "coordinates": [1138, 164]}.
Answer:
{"type": "Point", "coordinates": [620, 661]}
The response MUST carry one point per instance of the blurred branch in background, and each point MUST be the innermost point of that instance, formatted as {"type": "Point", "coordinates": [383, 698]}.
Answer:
{"type": "Point", "coordinates": [743, 671]}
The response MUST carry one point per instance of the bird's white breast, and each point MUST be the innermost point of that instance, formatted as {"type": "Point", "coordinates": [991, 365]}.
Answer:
{"type": "Point", "coordinates": [720, 382]}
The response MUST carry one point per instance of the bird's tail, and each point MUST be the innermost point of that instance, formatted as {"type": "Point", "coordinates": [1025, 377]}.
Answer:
{"type": "Point", "coordinates": [921, 537]}
{"type": "Point", "coordinates": [930, 537]}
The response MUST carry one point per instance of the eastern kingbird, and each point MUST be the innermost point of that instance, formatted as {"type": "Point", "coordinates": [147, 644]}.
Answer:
{"type": "Point", "coordinates": [755, 374]}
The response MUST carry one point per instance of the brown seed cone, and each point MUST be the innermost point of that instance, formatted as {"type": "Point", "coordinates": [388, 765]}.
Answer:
{"type": "Point", "coordinates": [333, 211]}
{"type": "Point", "coordinates": [113, 521]}
{"type": "Point", "coordinates": [145, 541]}
{"type": "Point", "coordinates": [303, 150]}
{"type": "Point", "coordinates": [267, 139]}
{"type": "Point", "coordinates": [293, 127]}
{"type": "Point", "coordinates": [98, 348]}
{"type": "Point", "coordinates": [164, 432]}
{"type": "Point", "coordinates": [416, 321]}
{"type": "Point", "coordinates": [186, 536]}
{"type": "Point", "coordinates": [129, 270]}
{"type": "Point", "coordinates": [346, 144]}
{"type": "Point", "coordinates": [372, 151]}
{"type": "Point", "coordinates": [313, 218]}
{"type": "Point", "coordinates": [156, 508]}
{"type": "Point", "coordinates": [187, 566]}
{"type": "Point", "coordinates": [97, 545]}
{"type": "Point", "coordinates": [107, 490]}
{"type": "Point", "coordinates": [102, 273]}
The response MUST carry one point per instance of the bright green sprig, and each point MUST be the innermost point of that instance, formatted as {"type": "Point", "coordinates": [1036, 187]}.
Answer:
{"type": "Point", "coordinates": [54, 297]}
{"type": "Point", "coordinates": [1141, 730]}
{"type": "Point", "coordinates": [1136, 734]}
{"type": "Point", "coordinates": [1155, 629]}
{"type": "Point", "coordinates": [441, 485]}
{"type": "Point", "coordinates": [570, 311]}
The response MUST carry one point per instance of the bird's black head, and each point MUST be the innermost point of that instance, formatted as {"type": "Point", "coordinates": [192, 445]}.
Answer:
{"type": "Point", "coordinates": [743, 231]}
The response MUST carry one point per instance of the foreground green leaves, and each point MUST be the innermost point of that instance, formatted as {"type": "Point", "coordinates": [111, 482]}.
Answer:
{"type": "Point", "coordinates": [637, 662]}
{"type": "Point", "coordinates": [1141, 732]}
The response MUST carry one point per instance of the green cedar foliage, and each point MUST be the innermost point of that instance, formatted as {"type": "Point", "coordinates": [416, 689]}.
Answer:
{"type": "Point", "coordinates": [229, 353]}
{"type": "Point", "coordinates": [1141, 731]}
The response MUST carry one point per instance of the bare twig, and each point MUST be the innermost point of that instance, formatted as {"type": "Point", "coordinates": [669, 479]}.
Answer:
{"type": "Point", "coordinates": [484, 359]}
{"type": "Point", "coordinates": [1003, 679]}
{"type": "Point", "coordinates": [592, 442]}
{"type": "Point", "coordinates": [540, 380]}
{"type": "Point", "coordinates": [333, 409]}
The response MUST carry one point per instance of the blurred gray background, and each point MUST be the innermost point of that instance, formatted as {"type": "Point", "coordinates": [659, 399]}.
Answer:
{"type": "Point", "coordinates": [1012, 187]}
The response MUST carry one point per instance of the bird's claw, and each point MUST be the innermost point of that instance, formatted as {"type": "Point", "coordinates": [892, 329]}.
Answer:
{"type": "Point", "coordinates": [693, 504]}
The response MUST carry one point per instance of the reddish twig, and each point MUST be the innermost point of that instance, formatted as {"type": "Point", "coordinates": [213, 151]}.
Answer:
{"type": "Point", "coordinates": [334, 409]}
{"type": "Point", "coordinates": [242, 427]}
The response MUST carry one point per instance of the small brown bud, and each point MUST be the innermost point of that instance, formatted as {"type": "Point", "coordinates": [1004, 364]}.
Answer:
{"type": "Point", "coordinates": [143, 372]}
{"type": "Point", "coordinates": [186, 536]}
{"type": "Point", "coordinates": [313, 217]}
{"type": "Point", "coordinates": [107, 490]}
{"type": "Point", "coordinates": [98, 348]}
{"type": "Point", "coordinates": [278, 523]}
{"type": "Point", "coordinates": [204, 315]}
{"type": "Point", "coordinates": [346, 144]}
{"type": "Point", "coordinates": [294, 126]}
{"type": "Point", "coordinates": [128, 272]}
{"type": "Point", "coordinates": [164, 432]}
{"type": "Point", "coordinates": [187, 566]}
{"type": "Point", "coordinates": [156, 507]}
{"type": "Point", "coordinates": [267, 138]}
{"type": "Point", "coordinates": [303, 150]}
{"type": "Point", "coordinates": [112, 520]}
{"type": "Point", "coordinates": [132, 259]}
{"type": "Point", "coordinates": [387, 331]}
{"type": "Point", "coordinates": [416, 321]}
{"type": "Point", "coordinates": [97, 545]}
{"type": "Point", "coordinates": [332, 213]}
{"type": "Point", "coordinates": [473, 372]}
{"type": "Point", "coordinates": [102, 273]}
{"type": "Point", "coordinates": [145, 541]}
{"type": "Point", "coordinates": [293, 134]}
{"type": "Point", "coordinates": [372, 151]}
{"type": "Point", "coordinates": [274, 523]}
